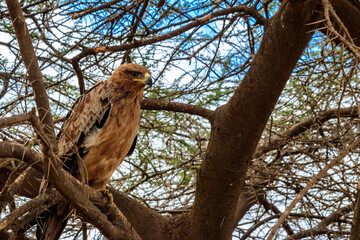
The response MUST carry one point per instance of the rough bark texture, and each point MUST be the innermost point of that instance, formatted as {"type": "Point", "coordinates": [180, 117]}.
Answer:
{"type": "Point", "coordinates": [237, 126]}
{"type": "Point", "coordinates": [355, 230]}
{"type": "Point", "coordinates": [132, 210]}
{"type": "Point", "coordinates": [349, 12]}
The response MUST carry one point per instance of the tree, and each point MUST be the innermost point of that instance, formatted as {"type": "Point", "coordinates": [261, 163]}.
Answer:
{"type": "Point", "coordinates": [252, 120]}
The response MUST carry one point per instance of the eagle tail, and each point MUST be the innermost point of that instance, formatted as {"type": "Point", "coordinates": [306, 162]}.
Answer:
{"type": "Point", "coordinates": [53, 222]}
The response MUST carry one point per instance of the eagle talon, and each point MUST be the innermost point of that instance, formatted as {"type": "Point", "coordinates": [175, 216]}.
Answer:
{"type": "Point", "coordinates": [106, 193]}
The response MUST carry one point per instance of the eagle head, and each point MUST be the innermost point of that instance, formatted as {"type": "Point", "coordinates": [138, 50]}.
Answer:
{"type": "Point", "coordinates": [131, 77]}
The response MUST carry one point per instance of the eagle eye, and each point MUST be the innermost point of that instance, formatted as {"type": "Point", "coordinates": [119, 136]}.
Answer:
{"type": "Point", "coordinates": [134, 74]}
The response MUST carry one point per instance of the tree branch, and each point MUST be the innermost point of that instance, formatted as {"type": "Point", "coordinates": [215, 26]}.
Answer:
{"type": "Point", "coordinates": [346, 39]}
{"type": "Point", "coordinates": [113, 213]}
{"type": "Point", "coordinates": [5, 85]}
{"type": "Point", "coordinates": [269, 206]}
{"type": "Point", "coordinates": [355, 228]}
{"type": "Point", "coordinates": [314, 180]}
{"type": "Point", "coordinates": [20, 211]}
{"type": "Point", "coordinates": [150, 225]}
{"type": "Point", "coordinates": [79, 75]}
{"type": "Point", "coordinates": [14, 150]}
{"type": "Point", "coordinates": [13, 184]}
{"type": "Point", "coordinates": [197, 22]}
{"type": "Point", "coordinates": [348, 12]}
{"type": "Point", "coordinates": [15, 119]}
{"type": "Point", "coordinates": [32, 66]}
{"type": "Point", "coordinates": [155, 104]}
{"type": "Point", "coordinates": [304, 125]}
{"type": "Point", "coordinates": [321, 227]}
{"type": "Point", "coordinates": [297, 129]}
{"type": "Point", "coordinates": [94, 9]}
{"type": "Point", "coordinates": [238, 125]}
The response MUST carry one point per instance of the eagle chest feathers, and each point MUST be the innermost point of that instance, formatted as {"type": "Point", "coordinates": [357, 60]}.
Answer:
{"type": "Point", "coordinates": [109, 145]}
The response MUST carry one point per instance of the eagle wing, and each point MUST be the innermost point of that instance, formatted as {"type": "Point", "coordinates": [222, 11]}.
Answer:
{"type": "Point", "coordinates": [88, 112]}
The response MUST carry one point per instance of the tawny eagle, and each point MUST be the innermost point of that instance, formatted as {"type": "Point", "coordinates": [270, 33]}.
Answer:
{"type": "Point", "coordinates": [102, 128]}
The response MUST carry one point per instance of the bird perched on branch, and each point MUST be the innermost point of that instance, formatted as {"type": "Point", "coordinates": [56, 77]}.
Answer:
{"type": "Point", "coordinates": [102, 129]}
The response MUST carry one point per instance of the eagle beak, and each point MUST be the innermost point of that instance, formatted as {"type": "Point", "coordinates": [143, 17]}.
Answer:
{"type": "Point", "coordinates": [148, 80]}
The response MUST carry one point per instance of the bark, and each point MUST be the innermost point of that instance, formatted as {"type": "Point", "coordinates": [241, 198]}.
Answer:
{"type": "Point", "coordinates": [32, 66]}
{"type": "Point", "coordinates": [237, 126]}
{"type": "Point", "coordinates": [150, 225]}
{"type": "Point", "coordinates": [355, 229]}
{"type": "Point", "coordinates": [155, 104]}
{"type": "Point", "coordinates": [14, 150]}
{"type": "Point", "coordinates": [8, 121]}
{"type": "Point", "coordinates": [349, 12]}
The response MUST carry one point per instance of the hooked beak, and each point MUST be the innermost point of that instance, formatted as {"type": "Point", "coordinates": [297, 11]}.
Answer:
{"type": "Point", "coordinates": [148, 80]}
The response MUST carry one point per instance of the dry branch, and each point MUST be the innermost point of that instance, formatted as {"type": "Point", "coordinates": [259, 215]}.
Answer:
{"type": "Point", "coordinates": [32, 66]}
{"type": "Point", "coordinates": [348, 11]}
{"type": "Point", "coordinates": [16, 119]}
{"type": "Point", "coordinates": [313, 181]}
{"type": "Point", "coordinates": [355, 230]}
{"type": "Point", "coordinates": [154, 104]}
{"type": "Point", "coordinates": [347, 39]}
{"type": "Point", "coordinates": [29, 206]}
{"type": "Point", "coordinates": [5, 85]}
{"type": "Point", "coordinates": [321, 228]}
{"type": "Point", "coordinates": [13, 185]}
{"type": "Point", "coordinates": [197, 22]}
{"type": "Point", "coordinates": [305, 125]}
{"type": "Point", "coordinates": [14, 150]}
{"type": "Point", "coordinates": [94, 9]}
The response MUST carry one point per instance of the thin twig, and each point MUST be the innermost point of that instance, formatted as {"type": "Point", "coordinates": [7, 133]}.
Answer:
{"type": "Point", "coordinates": [314, 180]}
{"type": "Point", "coordinates": [328, 9]}
{"type": "Point", "coordinates": [20, 211]}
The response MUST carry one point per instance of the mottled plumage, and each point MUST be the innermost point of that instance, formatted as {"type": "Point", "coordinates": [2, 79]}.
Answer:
{"type": "Point", "coordinates": [102, 126]}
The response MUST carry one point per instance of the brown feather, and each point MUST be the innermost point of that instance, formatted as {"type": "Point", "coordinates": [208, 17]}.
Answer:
{"type": "Point", "coordinates": [106, 147]}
